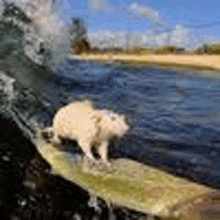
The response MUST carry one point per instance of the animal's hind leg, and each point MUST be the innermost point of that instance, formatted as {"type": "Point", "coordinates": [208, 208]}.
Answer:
{"type": "Point", "coordinates": [56, 139]}
{"type": "Point", "coordinates": [47, 133]}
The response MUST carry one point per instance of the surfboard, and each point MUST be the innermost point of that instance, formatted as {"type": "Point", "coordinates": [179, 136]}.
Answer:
{"type": "Point", "coordinates": [128, 183]}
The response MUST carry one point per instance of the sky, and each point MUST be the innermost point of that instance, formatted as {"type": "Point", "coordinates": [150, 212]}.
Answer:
{"type": "Point", "coordinates": [197, 21]}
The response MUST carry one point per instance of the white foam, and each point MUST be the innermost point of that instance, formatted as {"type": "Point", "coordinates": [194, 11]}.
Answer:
{"type": "Point", "coordinates": [47, 29]}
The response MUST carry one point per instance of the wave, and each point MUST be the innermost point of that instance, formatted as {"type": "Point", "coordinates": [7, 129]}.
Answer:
{"type": "Point", "coordinates": [32, 31]}
{"type": "Point", "coordinates": [33, 41]}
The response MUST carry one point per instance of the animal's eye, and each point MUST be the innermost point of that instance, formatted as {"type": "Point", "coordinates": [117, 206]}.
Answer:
{"type": "Point", "coordinates": [113, 118]}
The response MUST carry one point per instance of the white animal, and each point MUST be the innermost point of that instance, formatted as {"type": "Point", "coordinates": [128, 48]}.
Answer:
{"type": "Point", "coordinates": [88, 126]}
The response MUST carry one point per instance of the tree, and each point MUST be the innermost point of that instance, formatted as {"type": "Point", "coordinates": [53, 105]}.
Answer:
{"type": "Point", "coordinates": [79, 39]}
{"type": "Point", "coordinates": [80, 46]}
{"type": "Point", "coordinates": [78, 30]}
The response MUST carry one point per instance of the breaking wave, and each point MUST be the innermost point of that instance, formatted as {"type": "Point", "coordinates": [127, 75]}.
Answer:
{"type": "Point", "coordinates": [33, 31]}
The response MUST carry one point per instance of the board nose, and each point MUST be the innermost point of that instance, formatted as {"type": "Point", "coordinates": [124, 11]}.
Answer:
{"type": "Point", "coordinates": [207, 209]}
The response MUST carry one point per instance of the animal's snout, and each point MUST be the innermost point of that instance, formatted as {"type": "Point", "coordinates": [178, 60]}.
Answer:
{"type": "Point", "coordinates": [114, 138]}
{"type": "Point", "coordinates": [128, 121]}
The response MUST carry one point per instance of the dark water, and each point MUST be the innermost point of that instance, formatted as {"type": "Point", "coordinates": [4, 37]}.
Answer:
{"type": "Point", "coordinates": [174, 113]}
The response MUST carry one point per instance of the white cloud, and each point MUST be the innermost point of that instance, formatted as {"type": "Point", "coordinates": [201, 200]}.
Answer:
{"type": "Point", "coordinates": [99, 5]}
{"type": "Point", "coordinates": [149, 38]}
{"type": "Point", "coordinates": [145, 11]}
{"type": "Point", "coordinates": [106, 38]}
{"type": "Point", "coordinates": [161, 39]}
{"type": "Point", "coordinates": [179, 37]}
{"type": "Point", "coordinates": [96, 4]}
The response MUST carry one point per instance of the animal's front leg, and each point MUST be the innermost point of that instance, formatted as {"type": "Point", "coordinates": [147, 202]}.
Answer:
{"type": "Point", "coordinates": [86, 148]}
{"type": "Point", "coordinates": [103, 152]}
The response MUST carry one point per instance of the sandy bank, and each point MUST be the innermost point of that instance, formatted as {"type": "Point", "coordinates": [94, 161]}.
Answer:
{"type": "Point", "coordinates": [206, 62]}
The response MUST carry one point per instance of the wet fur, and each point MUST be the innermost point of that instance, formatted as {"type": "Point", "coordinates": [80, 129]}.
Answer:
{"type": "Point", "coordinates": [88, 126]}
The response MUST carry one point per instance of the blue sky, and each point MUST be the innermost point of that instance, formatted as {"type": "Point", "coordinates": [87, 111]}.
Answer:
{"type": "Point", "coordinates": [119, 15]}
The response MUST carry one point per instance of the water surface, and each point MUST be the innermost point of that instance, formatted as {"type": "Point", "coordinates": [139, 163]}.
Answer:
{"type": "Point", "coordinates": [174, 113]}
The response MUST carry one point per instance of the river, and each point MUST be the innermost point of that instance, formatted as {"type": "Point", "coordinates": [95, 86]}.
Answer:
{"type": "Point", "coordinates": [174, 114]}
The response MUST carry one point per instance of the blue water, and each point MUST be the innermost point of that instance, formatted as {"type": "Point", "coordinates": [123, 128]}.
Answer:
{"type": "Point", "coordinates": [174, 114]}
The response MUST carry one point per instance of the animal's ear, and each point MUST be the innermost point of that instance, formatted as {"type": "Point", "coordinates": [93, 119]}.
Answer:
{"type": "Point", "coordinates": [96, 118]}
{"type": "Point", "coordinates": [113, 118]}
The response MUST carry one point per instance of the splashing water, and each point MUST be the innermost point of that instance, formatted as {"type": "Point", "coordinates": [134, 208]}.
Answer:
{"type": "Point", "coordinates": [40, 33]}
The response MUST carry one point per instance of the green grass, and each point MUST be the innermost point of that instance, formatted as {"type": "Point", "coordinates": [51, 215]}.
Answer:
{"type": "Point", "coordinates": [214, 49]}
{"type": "Point", "coordinates": [211, 49]}
{"type": "Point", "coordinates": [165, 50]}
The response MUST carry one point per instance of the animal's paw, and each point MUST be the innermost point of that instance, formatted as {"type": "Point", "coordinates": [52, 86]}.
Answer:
{"type": "Point", "coordinates": [106, 163]}
{"type": "Point", "coordinates": [89, 162]}
{"type": "Point", "coordinates": [104, 166]}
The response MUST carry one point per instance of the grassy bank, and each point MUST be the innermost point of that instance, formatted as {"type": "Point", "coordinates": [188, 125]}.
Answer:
{"type": "Point", "coordinates": [201, 62]}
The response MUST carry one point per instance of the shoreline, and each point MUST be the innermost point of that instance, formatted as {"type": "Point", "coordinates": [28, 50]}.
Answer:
{"type": "Point", "coordinates": [199, 62]}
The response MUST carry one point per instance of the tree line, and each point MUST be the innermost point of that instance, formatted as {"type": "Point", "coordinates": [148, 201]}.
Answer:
{"type": "Point", "coordinates": [81, 44]}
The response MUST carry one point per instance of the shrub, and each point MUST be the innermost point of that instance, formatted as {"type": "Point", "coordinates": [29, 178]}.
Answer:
{"type": "Point", "coordinates": [166, 50]}
{"type": "Point", "coordinates": [80, 46]}
{"type": "Point", "coordinates": [214, 49]}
